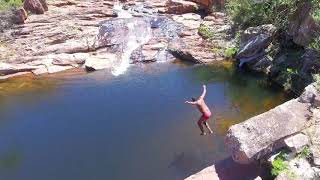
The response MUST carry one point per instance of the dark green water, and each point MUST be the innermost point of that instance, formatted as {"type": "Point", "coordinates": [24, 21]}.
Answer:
{"type": "Point", "coordinates": [135, 126]}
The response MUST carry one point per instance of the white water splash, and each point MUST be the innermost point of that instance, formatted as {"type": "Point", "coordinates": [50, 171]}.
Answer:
{"type": "Point", "coordinates": [121, 13]}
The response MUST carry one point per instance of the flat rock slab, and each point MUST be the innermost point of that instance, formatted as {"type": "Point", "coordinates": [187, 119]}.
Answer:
{"type": "Point", "coordinates": [208, 173]}
{"type": "Point", "coordinates": [259, 135]}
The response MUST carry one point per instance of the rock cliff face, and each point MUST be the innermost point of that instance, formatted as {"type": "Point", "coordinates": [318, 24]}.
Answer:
{"type": "Point", "coordinates": [264, 134]}
{"type": "Point", "coordinates": [81, 33]}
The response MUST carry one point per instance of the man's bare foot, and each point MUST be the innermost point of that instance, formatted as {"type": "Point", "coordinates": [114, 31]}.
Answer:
{"type": "Point", "coordinates": [211, 132]}
{"type": "Point", "coordinates": [203, 134]}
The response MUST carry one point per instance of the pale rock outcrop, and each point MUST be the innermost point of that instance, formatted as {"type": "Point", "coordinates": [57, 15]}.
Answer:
{"type": "Point", "coordinates": [6, 68]}
{"type": "Point", "coordinates": [100, 62]}
{"type": "Point", "coordinates": [190, 20]}
{"type": "Point", "coordinates": [260, 135]}
{"type": "Point", "coordinates": [180, 7]}
{"type": "Point", "coordinates": [310, 95]}
{"type": "Point", "coordinates": [297, 142]}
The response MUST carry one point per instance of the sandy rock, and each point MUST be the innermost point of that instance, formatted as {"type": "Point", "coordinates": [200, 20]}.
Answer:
{"type": "Point", "coordinates": [297, 142]}
{"type": "Point", "coordinates": [208, 173]}
{"type": "Point", "coordinates": [6, 68]}
{"type": "Point", "coordinates": [13, 75]}
{"type": "Point", "coordinates": [70, 59]}
{"type": "Point", "coordinates": [100, 62]}
{"type": "Point", "coordinates": [190, 20]}
{"type": "Point", "coordinates": [180, 7]}
{"type": "Point", "coordinates": [35, 6]}
{"type": "Point", "coordinates": [253, 139]}
{"type": "Point", "coordinates": [55, 68]}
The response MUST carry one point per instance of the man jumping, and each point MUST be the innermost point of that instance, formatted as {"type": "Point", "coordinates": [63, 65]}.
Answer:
{"type": "Point", "coordinates": [203, 108]}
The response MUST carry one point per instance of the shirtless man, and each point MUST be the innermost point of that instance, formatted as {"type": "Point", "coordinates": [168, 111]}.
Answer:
{"type": "Point", "coordinates": [203, 108]}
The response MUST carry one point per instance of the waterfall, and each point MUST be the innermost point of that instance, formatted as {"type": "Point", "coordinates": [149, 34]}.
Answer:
{"type": "Point", "coordinates": [139, 33]}
{"type": "Point", "coordinates": [121, 13]}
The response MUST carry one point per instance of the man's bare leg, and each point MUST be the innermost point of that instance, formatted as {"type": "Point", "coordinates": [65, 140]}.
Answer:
{"type": "Point", "coordinates": [207, 126]}
{"type": "Point", "coordinates": [200, 121]}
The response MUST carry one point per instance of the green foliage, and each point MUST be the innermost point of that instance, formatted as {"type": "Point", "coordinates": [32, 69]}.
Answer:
{"type": "Point", "coordinates": [316, 14]}
{"type": "Point", "coordinates": [205, 32]}
{"type": "Point", "coordinates": [292, 71]}
{"type": "Point", "coordinates": [316, 78]}
{"type": "Point", "coordinates": [246, 13]}
{"type": "Point", "coordinates": [315, 44]}
{"type": "Point", "coordinates": [305, 153]}
{"type": "Point", "coordinates": [231, 52]}
{"type": "Point", "coordinates": [7, 4]}
{"type": "Point", "coordinates": [279, 165]}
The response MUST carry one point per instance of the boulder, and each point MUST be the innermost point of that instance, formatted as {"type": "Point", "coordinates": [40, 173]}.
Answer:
{"type": "Point", "coordinates": [310, 62]}
{"type": "Point", "coordinates": [100, 62]}
{"type": "Point", "coordinates": [315, 151]}
{"type": "Point", "coordinates": [35, 6]}
{"type": "Point", "coordinates": [254, 41]}
{"type": "Point", "coordinates": [20, 16]}
{"type": "Point", "coordinates": [251, 32]}
{"type": "Point", "coordinates": [180, 7]}
{"type": "Point", "coordinates": [302, 27]}
{"type": "Point", "coordinates": [297, 142]}
{"type": "Point", "coordinates": [262, 134]}
{"type": "Point", "coordinates": [310, 95]}
{"type": "Point", "coordinates": [154, 50]}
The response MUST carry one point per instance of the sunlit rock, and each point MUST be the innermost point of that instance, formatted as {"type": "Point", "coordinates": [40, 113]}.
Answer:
{"type": "Point", "coordinates": [258, 136]}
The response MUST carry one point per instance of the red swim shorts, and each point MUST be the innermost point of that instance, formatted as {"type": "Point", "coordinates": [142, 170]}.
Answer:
{"type": "Point", "coordinates": [206, 116]}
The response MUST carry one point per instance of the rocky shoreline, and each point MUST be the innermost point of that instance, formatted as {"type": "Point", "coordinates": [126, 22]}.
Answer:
{"type": "Point", "coordinates": [77, 34]}
{"type": "Point", "coordinates": [92, 35]}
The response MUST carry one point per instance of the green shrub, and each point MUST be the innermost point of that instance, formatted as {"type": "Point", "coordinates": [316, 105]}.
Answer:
{"type": "Point", "coordinates": [7, 4]}
{"type": "Point", "coordinates": [279, 165]}
{"type": "Point", "coordinates": [246, 13]}
{"type": "Point", "coordinates": [305, 153]}
{"type": "Point", "coordinates": [315, 44]}
{"type": "Point", "coordinates": [316, 14]}
{"type": "Point", "coordinates": [316, 78]}
{"type": "Point", "coordinates": [205, 32]}
{"type": "Point", "coordinates": [231, 52]}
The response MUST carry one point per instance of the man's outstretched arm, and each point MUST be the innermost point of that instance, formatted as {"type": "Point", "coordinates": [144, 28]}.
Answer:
{"type": "Point", "coordinates": [193, 103]}
{"type": "Point", "coordinates": [204, 92]}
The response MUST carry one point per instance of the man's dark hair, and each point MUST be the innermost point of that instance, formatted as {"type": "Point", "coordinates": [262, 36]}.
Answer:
{"type": "Point", "coordinates": [194, 99]}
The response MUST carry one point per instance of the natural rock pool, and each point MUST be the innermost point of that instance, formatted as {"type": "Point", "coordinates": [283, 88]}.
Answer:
{"type": "Point", "coordinates": [133, 126]}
